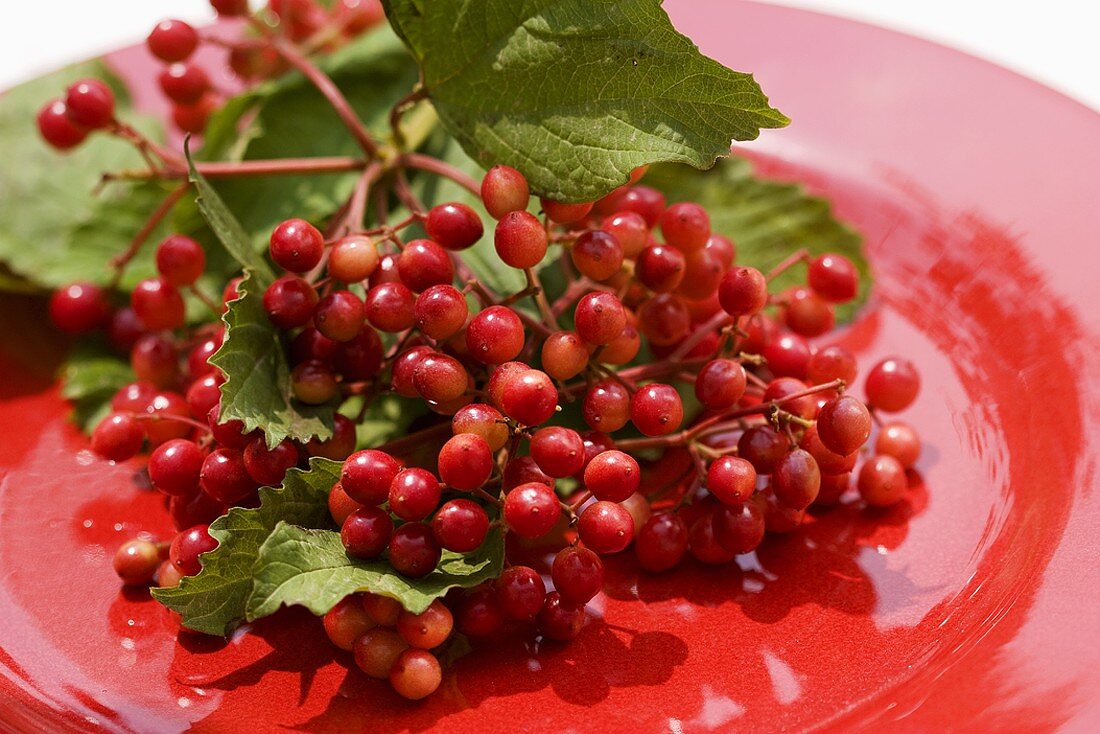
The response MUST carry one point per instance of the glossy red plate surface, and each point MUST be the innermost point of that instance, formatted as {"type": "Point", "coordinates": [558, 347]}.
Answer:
{"type": "Point", "coordinates": [974, 606]}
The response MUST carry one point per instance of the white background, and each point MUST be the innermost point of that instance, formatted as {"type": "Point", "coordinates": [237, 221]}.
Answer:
{"type": "Point", "coordinates": [1053, 41]}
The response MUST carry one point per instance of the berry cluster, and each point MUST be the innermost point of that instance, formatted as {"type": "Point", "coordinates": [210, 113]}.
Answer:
{"type": "Point", "coordinates": [655, 302]}
{"type": "Point", "coordinates": [188, 86]}
{"type": "Point", "coordinates": [665, 398]}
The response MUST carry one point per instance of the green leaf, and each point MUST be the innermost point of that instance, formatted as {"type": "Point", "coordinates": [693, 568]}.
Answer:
{"type": "Point", "coordinates": [91, 377]}
{"type": "Point", "coordinates": [767, 220]}
{"type": "Point", "coordinates": [310, 567]}
{"type": "Point", "coordinates": [226, 227]}
{"type": "Point", "coordinates": [257, 388]}
{"type": "Point", "coordinates": [53, 230]}
{"type": "Point", "coordinates": [288, 118]}
{"type": "Point", "coordinates": [215, 601]}
{"type": "Point", "coordinates": [576, 93]}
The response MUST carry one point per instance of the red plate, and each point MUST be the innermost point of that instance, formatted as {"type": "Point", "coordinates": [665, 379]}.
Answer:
{"type": "Point", "coordinates": [976, 605]}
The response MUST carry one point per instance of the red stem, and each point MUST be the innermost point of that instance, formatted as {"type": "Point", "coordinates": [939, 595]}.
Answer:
{"type": "Point", "coordinates": [120, 261]}
{"type": "Point", "coordinates": [331, 92]}
{"type": "Point", "coordinates": [438, 167]}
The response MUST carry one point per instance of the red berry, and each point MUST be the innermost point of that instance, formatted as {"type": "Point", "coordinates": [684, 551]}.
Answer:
{"type": "Point", "coordinates": [154, 360]}
{"type": "Point", "coordinates": [686, 226]}
{"type": "Point", "coordinates": [531, 510]}
{"type": "Point", "coordinates": [780, 388]}
{"type": "Point", "coordinates": [606, 406]}
{"type": "Point", "coordinates": [454, 226]}
{"type": "Point", "coordinates": [720, 384]}
{"type": "Point", "coordinates": [827, 460]}
{"type": "Point", "coordinates": [404, 370]}
{"type": "Point", "coordinates": [377, 649]}
{"type": "Point", "coordinates": [204, 393]}
{"type": "Point", "coordinates": [564, 355]}
{"type": "Point", "coordinates": [731, 480]}
{"type": "Point", "coordinates": [366, 532]}
{"type": "Point", "coordinates": [562, 213]}
{"type": "Point", "coordinates": [423, 264]}
{"type": "Point", "coordinates": [844, 424]}
{"type": "Point", "coordinates": [523, 470]}
{"type": "Point", "coordinates": [743, 291]}
{"type": "Point", "coordinates": [79, 308]}
{"type": "Point", "coordinates": [530, 398]}
{"type": "Point", "coordinates": [136, 562]}
{"type": "Point", "coordinates": [313, 383]}
{"type": "Point", "coordinates": [414, 494]}
{"type": "Point", "coordinates": [90, 104]}
{"type": "Point", "coordinates": [807, 314]}
{"type": "Point", "coordinates": [599, 317]}
{"type": "Point", "coordinates": [188, 545]}
{"type": "Point", "coordinates": [440, 311]}
{"type": "Point", "coordinates": [224, 476]}
{"type": "Point", "coordinates": [192, 118]}
{"type": "Point", "coordinates": [339, 316]}
{"type": "Point", "coordinates": [416, 674]}
{"type": "Point", "coordinates": [833, 277]}
{"type": "Point", "coordinates": [124, 329]}
{"type": "Point", "coordinates": [661, 542]}
{"type": "Point", "coordinates": [520, 239]}
{"type": "Point", "coordinates": [172, 40]}
{"type": "Point", "coordinates": [340, 506]}
{"type": "Point", "coordinates": [158, 305]}
{"type": "Point", "coordinates": [359, 358]}
{"type": "Point", "coordinates": [390, 307]}
{"type": "Point", "coordinates": [297, 246]}
{"type": "Point", "coordinates": [199, 509]}
{"type": "Point", "coordinates": [738, 529]}
{"type": "Point", "coordinates": [660, 268]}
{"type": "Point", "coordinates": [162, 408]}
{"type": "Point", "coordinates": [796, 480]}
{"type": "Point", "coordinates": [520, 592]}
{"type": "Point", "coordinates": [560, 620]}
{"type": "Point", "coordinates": [338, 446]}
{"type": "Point", "coordinates": [117, 437]}
{"type": "Point", "coordinates": [630, 230]}
{"type": "Point", "coordinates": [664, 319]}
{"type": "Point", "coordinates": [763, 447]}
{"type": "Point", "coordinates": [184, 84]}
{"type": "Point", "coordinates": [788, 356]}
{"type": "Point", "coordinates": [465, 462]}
{"type": "Point", "coordinates": [413, 550]}
{"type": "Point", "coordinates": [268, 467]}
{"type": "Point", "coordinates": [597, 254]}
{"type": "Point", "coordinates": [656, 409]}
{"type": "Point", "coordinates": [703, 544]}
{"type": "Point", "coordinates": [558, 451]}
{"type": "Point", "coordinates": [892, 384]}
{"type": "Point", "coordinates": [289, 302]}
{"type": "Point", "coordinates": [504, 190]}
{"type": "Point", "coordinates": [882, 481]}
{"type": "Point", "coordinates": [57, 129]}
{"type": "Point", "coordinates": [353, 259]}
{"type": "Point", "coordinates": [347, 622]}
{"type": "Point", "coordinates": [495, 335]}
{"type": "Point", "coordinates": [606, 527]}
{"type": "Point", "coordinates": [367, 475]}
{"type": "Point", "coordinates": [484, 421]}
{"type": "Point", "coordinates": [460, 526]}
{"type": "Point", "coordinates": [174, 467]}
{"type": "Point", "coordinates": [180, 260]}
{"type": "Point", "coordinates": [577, 574]}
{"type": "Point", "coordinates": [900, 441]}
{"type": "Point", "coordinates": [831, 363]}
{"type": "Point", "coordinates": [612, 476]}
{"type": "Point", "coordinates": [439, 378]}
{"type": "Point", "coordinates": [426, 630]}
